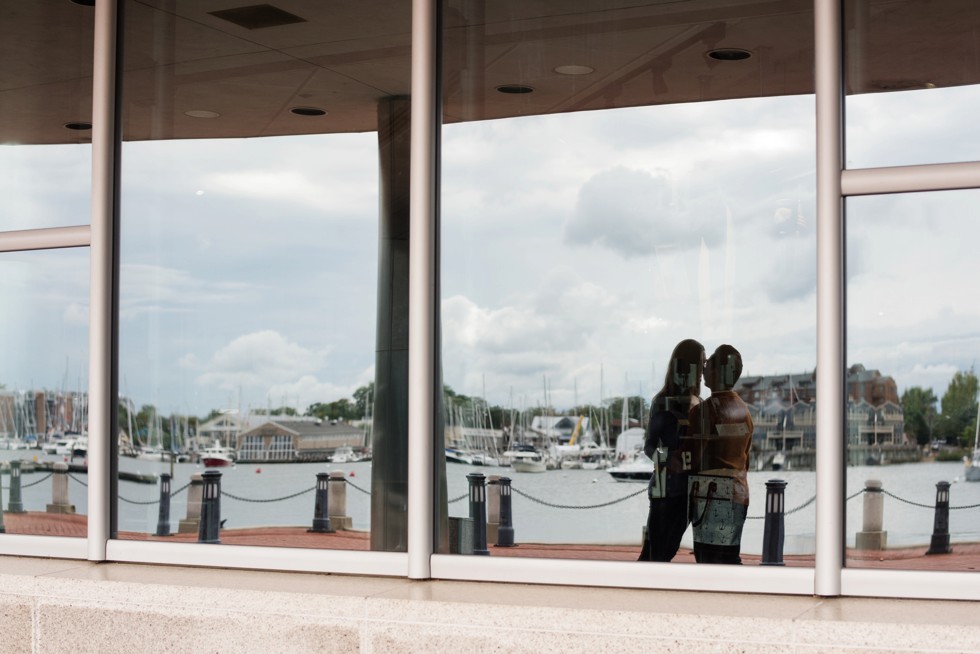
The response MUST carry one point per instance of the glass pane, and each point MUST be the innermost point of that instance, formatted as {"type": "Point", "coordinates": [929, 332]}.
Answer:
{"type": "Point", "coordinates": [46, 111]}
{"type": "Point", "coordinates": [912, 70]}
{"type": "Point", "coordinates": [249, 272]}
{"type": "Point", "coordinates": [44, 392]}
{"type": "Point", "coordinates": [912, 387]}
{"type": "Point", "coordinates": [580, 247]}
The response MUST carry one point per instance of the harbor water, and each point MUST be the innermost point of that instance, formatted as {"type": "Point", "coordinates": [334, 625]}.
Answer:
{"type": "Point", "coordinates": [547, 507]}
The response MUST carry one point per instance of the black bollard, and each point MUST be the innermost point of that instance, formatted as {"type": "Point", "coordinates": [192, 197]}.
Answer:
{"type": "Point", "coordinates": [163, 518]}
{"type": "Point", "coordinates": [940, 528]}
{"type": "Point", "coordinates": [775, 531]}
{"type": "Point", "coordinates": [505, 532]}
{"type": "Point", "coordinates": [208, 529]}
{"type": "Point", "coordinates": [16, 504]}
{"type": "Point", "coordinates": [321, 505]}
{"type": "Point", "coordinates": [478, 512]}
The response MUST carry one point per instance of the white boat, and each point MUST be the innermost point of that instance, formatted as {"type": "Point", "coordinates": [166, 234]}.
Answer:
{"type": "Point", "coordinates": [484, 459]}
{"type": "Point", "coordinates": [638, 468]}
{"type": "Point", "coordinates": [458, 456]}
{"type": "Point", "coordinates": [344, 454]}
{"type": "Point", "coordinates": [527, 462]}
{"type": "Point", "coordinates": [217, 456]}
{"type": "Point", "coordinates": [60, 446]}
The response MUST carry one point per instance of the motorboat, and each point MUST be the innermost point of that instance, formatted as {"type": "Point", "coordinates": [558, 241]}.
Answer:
{"type": "Point", "coordinates": [60, 446]}
{"type": "Point", "coordinates": [523, 461]}
{"type": "Point", "coordinates": [344, 454]}
{"type": "Point", "coordinates": [458, 456]}
{"type": "Point", "coordinates": [217, 456]}
{"type": "Point", "coordinates": [639, 468]}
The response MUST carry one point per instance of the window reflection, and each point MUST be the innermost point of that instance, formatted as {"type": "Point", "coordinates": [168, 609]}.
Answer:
{"type": "Point", "coordinates": [616, 179]}
{"type": "Point", "coordinates": [44, 392]}
{"type": "Point", "coordinates": [911, 69]}
{"type": "Point", "coordinates": [46, 110]}
{"type": "Point", "coordinates": [249, 271]}
{"type": "Point", "coordinates": [912, 405]}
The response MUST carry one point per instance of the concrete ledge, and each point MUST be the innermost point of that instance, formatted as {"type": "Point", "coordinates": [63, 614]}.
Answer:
{"type": "Point", "coordinates": [56, 606]}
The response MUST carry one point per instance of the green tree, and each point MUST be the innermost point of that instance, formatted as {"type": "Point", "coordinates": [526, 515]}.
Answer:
{"type": "Point", "coordinates": [959, 409]}
{"type": "Point", "coordinates": [363, 397]}
{"type": "Point", "coordinates": [919, 407]}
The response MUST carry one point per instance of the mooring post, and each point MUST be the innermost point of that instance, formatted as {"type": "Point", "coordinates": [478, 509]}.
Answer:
{"type": "Point", "coordinates": [192, 517]}
{"type": "Point", "coordinates": [775, 529]}
{"type": "Point", "coordinates": [505, 532]}
{"type": "Point", "coordinates": [208, 531]}
{"type": "Point", "coordinates": [163, 517]}
{"type": "Point", "coordinates": [872, 536]}
{"type": "Point", "coordinates": [338, 501]}
{"type": "Point", "coordinates": [59, 490]}
{"type": "Point", "coordinates": [940, 525]}
{"type": "Point", "coordinates": [16, 503]}
{"type": "Point", "coordinates": [321, 505]}
{"type": "Point", "coordinates": [478, 512]}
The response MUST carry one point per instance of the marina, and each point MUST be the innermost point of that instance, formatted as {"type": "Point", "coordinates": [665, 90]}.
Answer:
{"type": "Point", "coordinates": [549, 508]}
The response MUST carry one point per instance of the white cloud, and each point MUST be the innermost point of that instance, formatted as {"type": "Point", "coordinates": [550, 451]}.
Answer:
{"type": "Point", "coordinates": [260, 359]}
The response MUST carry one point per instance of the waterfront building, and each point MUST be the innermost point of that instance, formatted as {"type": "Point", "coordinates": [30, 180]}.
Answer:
{"type": "Point", "coordinates": [282, 439]}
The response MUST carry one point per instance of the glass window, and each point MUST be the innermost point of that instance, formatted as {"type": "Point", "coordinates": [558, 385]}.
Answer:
{"type": "Point", "coordinates": [912, 340]}
{"type": "Point", "coordinates": [44, 391]}
{"type": "Point", "coordinates": [249, 268]}
{"type": "Point", "coordinates": [911, 70]}
{"type": "Point", "coordinates": [46, 111]}
{"type": "Point", "coordinates": [616, 180]}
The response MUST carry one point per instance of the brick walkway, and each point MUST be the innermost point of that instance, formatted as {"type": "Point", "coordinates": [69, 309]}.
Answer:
{"type": "Point", "coordinates": [963, 557]}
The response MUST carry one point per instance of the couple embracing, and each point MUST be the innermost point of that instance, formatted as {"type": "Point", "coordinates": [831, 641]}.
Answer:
{"type": "Point", "coordinates": [700, 451]}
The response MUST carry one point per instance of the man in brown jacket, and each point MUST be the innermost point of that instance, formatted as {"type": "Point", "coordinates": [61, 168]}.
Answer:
{"type": "Point", "coordinates": [720, 436]}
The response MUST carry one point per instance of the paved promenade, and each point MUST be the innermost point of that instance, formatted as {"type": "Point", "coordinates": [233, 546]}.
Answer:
{"type": "Point", "coordinates": [963, 557]}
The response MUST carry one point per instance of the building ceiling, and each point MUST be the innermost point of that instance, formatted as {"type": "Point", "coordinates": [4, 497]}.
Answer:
{"type": "Point", "coordinates": [345, 56]}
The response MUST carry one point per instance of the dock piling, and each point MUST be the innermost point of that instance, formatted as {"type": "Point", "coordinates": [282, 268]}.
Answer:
{"type": "Point", "coordinates": [940, 526]}
{"type": "Point", "coordinates": [15, 503]}
{"type": "Point", "coordinates": [163, 517]}
{"type": "Point", "coordinates": [478, 512]}
{"type": "Point", "coordinates": [775, 528]}
{"type": "Point", "coordinates": [321, 505]}
{"type": "Point", "coordinates": [208, 531]}
{"type": "Point", "coordinates": [505, 531]}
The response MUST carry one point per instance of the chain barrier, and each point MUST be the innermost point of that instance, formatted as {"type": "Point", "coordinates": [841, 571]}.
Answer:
{"type": "Point", "coordinates": [785, 513]}
{"type": "Point", "coordinates": [274, 499]}
{"type": "Point", "coordinates": [74, 478]}
{"type": "Point", "coordinates": [356, 487]}
{"type": "Point", "coordinates": [156, 501]}
{"type": "Point", "coordinates": [41, 480]}
{"type": "Point", "coordinates": [461, 497]}
{"type": "Point", "coordinates": [860, 492]}
{"type": "Point", "coordinates": [181, 489]}
{"type": "Point", "coordinates": [571, 506]}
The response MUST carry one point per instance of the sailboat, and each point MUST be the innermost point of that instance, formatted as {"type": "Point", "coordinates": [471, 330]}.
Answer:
{"type": "Point", "coordinates": [972, 472]}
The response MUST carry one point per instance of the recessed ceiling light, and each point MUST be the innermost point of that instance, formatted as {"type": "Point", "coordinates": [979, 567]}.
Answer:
{"type": "Point", "coordinates": [308, 111]}
{"type": "Point", "coordinates": [574, 70]}
{"type": "Point", "coordinates": [515, 88]}
{"type": "Point", "coordinates": [201, 113]}
{"type": "Point", "coordinates": [78, 126]}
{"type": "Point", "coordinates": [255, 17]}
{"type": "Point", "coordinates": [729, 54]}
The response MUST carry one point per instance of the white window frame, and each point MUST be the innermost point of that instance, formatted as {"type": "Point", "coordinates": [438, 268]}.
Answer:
{"type": "Point", "coordinates": [828, 577]}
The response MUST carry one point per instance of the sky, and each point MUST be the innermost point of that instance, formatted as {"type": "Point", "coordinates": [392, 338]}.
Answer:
{"type": "Point", "coordinates": [578, 249]}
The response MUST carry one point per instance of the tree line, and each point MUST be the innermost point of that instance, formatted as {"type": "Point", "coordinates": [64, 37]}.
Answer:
{"type": "Point", "coordinates": [955, 421]}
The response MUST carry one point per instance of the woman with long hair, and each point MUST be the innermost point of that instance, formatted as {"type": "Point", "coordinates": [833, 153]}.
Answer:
{"type": "Point", "coordinates": [666, 430]}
